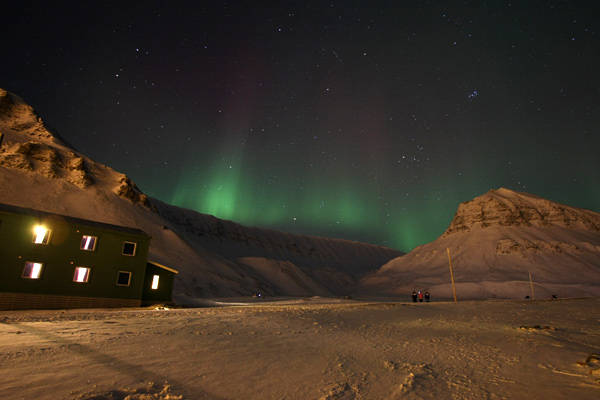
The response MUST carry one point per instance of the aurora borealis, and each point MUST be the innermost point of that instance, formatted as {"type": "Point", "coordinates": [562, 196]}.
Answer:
{"type": "Point", "coordinates": [362, 120]}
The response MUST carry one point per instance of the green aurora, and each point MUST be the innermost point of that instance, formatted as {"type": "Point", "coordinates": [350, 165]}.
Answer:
{"type": "Point", "coordinates": [359, 120]}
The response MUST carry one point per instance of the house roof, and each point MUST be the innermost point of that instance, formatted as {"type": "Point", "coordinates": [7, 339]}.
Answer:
{"type": "Point", "coordinates": [162, 266]}
{"type": "Point", "coordinates": [72, 220]}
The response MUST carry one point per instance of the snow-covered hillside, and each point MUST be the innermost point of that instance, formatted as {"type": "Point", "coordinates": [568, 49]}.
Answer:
{"type": "Point", "coordinates": [495, 241]}
{"type": "Point", "coordinates": [214, 257]}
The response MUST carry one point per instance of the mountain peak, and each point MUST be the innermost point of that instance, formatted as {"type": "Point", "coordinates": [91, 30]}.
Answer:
{"type": "Point", "coordinates": [27, 144]}
{"type": "Point", "coordinates": [505, 207]}
{"type": "Point", "coordinates": [19, 122]}
{"type": "Point", "coordinates": [495, 244]}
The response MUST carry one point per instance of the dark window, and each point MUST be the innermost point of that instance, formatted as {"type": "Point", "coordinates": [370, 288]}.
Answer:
{"type": "Point", "coordinates": [124, 278]}
{"type": "Point", "coordinates": [129, 248]}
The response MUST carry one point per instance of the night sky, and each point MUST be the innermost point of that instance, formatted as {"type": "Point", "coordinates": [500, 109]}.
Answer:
{"type": "Point", "coordinates": [362, 120]}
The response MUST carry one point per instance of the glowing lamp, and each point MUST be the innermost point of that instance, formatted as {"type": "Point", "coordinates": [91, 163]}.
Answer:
{"type": "Point", "coordinates": [40, 234]}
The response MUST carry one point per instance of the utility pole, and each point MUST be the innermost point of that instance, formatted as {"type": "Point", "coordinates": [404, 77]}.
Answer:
{"type": "Point", "coordinates": [451, 274]}
{"type": "Point", "coordinates": [531, 282]}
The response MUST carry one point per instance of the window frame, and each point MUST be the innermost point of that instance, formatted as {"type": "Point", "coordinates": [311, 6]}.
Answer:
{"type": "Point", "coordinates": [134, 249]}
{"type": "Point", "coordinates": [33, 264]}
{"type": "Point", "coordinates": [45, 239]}
{"type": "Point", "coordinates": [95, 242]}
{"type": "Point", "coordinates": [87, 275]}
{"type": "Point", "coordinates": [128, 281]}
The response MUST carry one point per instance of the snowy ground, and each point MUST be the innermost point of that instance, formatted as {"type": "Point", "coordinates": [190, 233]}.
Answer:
{"type": "Point", "coordinates": [306, 349]}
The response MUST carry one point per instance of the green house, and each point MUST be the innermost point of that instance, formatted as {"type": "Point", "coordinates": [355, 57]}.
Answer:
{"type": "Point", "coordinates": [158, 284]}
{"type": "Point", "coordinates": [50, 261]}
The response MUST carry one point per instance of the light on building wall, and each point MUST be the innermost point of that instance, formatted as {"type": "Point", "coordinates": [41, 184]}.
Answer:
{"type": "Point", "coordinates": [155, 282]}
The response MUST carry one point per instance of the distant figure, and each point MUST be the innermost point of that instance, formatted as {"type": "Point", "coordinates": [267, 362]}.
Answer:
{"type": "Point", "coordinates": [427, 297]}
{"type": "Point", "coordinates": [420, 296]}
{"type": "Point", "coordinates": [414, 296]}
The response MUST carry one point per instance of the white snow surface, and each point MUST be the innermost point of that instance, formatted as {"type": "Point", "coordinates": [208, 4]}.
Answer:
{"type": "Point", "coordinates": [310, 348]}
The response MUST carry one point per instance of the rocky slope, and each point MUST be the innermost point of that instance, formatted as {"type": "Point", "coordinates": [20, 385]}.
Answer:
{"type": "Point", "coordinates": [495, 242]}
{"type": "Point", "coordinates": [504, 207]}
{"type": "Point", "coordinates": [38, 169]}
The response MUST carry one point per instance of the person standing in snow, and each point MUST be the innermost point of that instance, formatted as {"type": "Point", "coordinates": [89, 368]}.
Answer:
{"type": "Point", "coordinates": [427, 297]}
{"type": "Point", "coordinates": [420, 296]}
{"type": "Point", "coordinates": [414, 297]}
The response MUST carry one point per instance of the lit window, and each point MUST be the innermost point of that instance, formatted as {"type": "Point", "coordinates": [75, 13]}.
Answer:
{"type": "Point", "coordinates": [124, 278]}
{"type": "Point", "coordinates": [82, 274]}
{"type": "Point", "coordinates": [41, 235]}
{"type": "Point", "coordinates": [88, 243]}
{"type": "Point", "coordinates": [155, 282]}
{"type": "Point", "coordinates": [129, 248]}
{"type": "Point", "coordinates": [32, 270]}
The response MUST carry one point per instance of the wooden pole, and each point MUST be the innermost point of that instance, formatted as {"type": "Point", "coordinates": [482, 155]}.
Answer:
{"type": "Point", "coordinates": [531, 282]}
{"type": "Point", "coordinates": [451, 274]}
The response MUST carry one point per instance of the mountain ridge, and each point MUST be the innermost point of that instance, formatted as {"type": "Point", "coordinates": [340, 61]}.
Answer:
{"type": "Point", "coordinates": [504, 207]}
{"type": "Point", "coordinates": [495, 243]}
{"type": "Point", "coordinates": [215, 257]}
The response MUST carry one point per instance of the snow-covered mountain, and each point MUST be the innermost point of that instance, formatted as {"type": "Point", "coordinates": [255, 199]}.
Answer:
{"type": "Point", "coordinates": [495, 241]}
{"type": "Point", "coordinates": [214, 257]}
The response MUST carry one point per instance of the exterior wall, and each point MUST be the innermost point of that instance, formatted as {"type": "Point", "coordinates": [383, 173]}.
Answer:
{"type": "Point", "coordinates": [24, 301]}
{"type": "Point", "coordinates": [164, 292]}
{"type": "Point", "coordinates": [62, 255]}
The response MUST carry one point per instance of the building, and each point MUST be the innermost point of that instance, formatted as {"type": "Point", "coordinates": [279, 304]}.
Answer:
{"type": "Point", "coordinates": [158, 284]}
{"type": "Point", "coordinates": [50, 261]}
